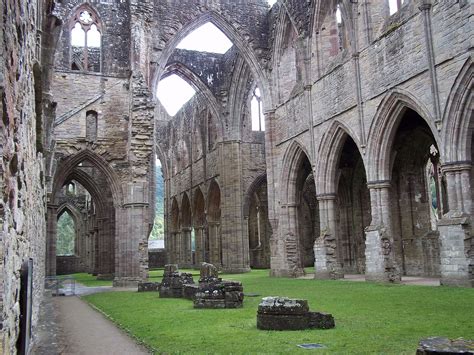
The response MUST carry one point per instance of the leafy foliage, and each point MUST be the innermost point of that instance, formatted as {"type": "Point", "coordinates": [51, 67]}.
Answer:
{"type": "Point", "coordinates": [158, 231]}
{"type": "Point", "coordinates": [66, 235]}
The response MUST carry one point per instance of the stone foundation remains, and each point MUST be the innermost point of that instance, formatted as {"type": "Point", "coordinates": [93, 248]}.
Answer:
{"type": "Point", "coordinates": [438, 345]}
{"type": "Point", "coordinates": [281, 313]}
{"type": "Point", "coordinates": [172, 285]}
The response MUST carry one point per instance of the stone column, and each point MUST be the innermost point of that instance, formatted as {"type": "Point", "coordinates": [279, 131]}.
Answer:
{"type": "Point", "coordinates": [199, 252]}
{"type": "Point", "coordinates": [380, 259]}
{"type": "Point", "coordinates": [234, 248]}
{"type": "Point", "coordinates": [131, 244]}
{"type": "Point", "coordinates": [455, 228]}
{"type": "Point", "coordinates": [214, 244]}
{"type": "Point", "coordinates": [327, 264]}
{"type": "Point", "coordinates": [52, 226]}
{"type": "Point", "coordinates": [186, 258]}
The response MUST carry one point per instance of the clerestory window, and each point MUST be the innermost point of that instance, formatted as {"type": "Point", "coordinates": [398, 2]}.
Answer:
{"type": "Point", "coordinates": [258, 119]}
{"type": "Point", "coordinates": [86, 41]}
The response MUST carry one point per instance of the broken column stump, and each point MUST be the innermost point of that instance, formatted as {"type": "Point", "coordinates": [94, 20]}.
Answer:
{"type": "Point", "coordinates": [439, 345]}
{"type": "Point", "coordinates": [172, 285]}
{"type": "Point", "coordinates": [213, 292]}
{"type": "Point", "coordinates": [281, 313]}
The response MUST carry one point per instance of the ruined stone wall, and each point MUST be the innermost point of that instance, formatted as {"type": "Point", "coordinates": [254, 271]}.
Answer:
{"type": "Point", "coordinates": [413, 56]}
{"type": "Point", "coordinates": [22, 205]}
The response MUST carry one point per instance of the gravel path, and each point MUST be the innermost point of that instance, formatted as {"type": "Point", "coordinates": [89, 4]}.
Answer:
{"type": "Point", "coordinates": [86, 331]}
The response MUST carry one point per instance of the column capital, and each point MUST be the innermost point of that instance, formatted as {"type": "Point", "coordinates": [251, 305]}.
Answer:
{"type": "Point", "coordinates": [327, 196]}
{"type": "Point", "coordinates": [456, 166]}
{"type": "Point", "coordinates": [379, 184]}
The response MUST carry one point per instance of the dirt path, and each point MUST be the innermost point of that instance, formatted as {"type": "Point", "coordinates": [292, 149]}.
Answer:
{"type": "Point", "coordinates": [87, 332]}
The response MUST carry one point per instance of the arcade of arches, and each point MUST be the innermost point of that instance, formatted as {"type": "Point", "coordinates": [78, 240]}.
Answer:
{"type": "Point", "coordinates": [333, 134]}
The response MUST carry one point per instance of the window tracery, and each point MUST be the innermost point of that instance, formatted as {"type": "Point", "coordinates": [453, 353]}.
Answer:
{"type": "Point", "coordinates": [86, 40]}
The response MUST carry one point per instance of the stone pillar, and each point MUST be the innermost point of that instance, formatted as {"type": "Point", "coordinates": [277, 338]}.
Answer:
{"type": "Point", "coordinates": [52, 226]}
{"type": "Point", "coordinates": [381, 264]}
{"type": "Point", "coordinates": [235, 245]}
{"type": "Point", "coordinates": [214, 244]}
{"type": "Point", "coordinates": [131, 243]}
{"type": "Point", "coordinates": [455, 228]}
{"type": "Point", "coordinates": [186, 259]}
{"type": "Point", "coordinates": [327, 264]}
{"type": "Point", "coordinates": [199, 252]}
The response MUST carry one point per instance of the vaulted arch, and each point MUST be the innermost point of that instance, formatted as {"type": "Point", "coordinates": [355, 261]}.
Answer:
{"type": "Point", "coordinates": [328, 158]}
{"type": "Point", "coordinates": [292, 161]}
{"type": "Point", "coordinates": [458, 123]}
{"type": "Point", "coordinates": [384, 127]}
{"type": "Point", "coordinates": [189, 76]}
{"type": "Point", "coordinates": [228, 29]}
{"type": "Point", "coordinates": [67, 165]}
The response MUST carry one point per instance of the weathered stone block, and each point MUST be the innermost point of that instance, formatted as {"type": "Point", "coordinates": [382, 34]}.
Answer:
{"type": "Point", "coordinates": [189, 291]}
{"type": "Point", "coordinates": [320, 320]}
{"type": "Point", "coordinates": [149, 286]}
{"type": "Point", "coordinates": [281, 313]}
{"type": "Point", "coordinates": [439, 345]}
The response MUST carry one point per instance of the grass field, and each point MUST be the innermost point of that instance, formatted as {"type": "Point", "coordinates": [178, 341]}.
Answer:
{"type": "Point", "coordinates": [370, 318]}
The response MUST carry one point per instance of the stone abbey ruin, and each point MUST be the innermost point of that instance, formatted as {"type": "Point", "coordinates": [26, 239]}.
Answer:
{"type": "Point", "coordinates": [332, 133]}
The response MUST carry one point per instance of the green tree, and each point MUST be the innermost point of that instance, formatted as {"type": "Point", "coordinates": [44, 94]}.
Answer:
{"type": "Point", "coordinates": [66, 235]}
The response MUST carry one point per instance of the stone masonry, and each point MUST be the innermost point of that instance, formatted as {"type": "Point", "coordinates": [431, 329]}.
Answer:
{"type": "Point", "coordinates": [364, 164]}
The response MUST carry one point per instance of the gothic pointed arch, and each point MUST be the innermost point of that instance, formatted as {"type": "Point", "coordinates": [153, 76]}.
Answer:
{"type": "Point", "coordinates": [233, 34]}
{"type": "Point", "coordinates": [190, 77]}
{"type": "Point", "coordinates": [384, 127]}
{"type": "Point", "coordinates": [292, 160]}
{"type": "Point", "coordinates": [256, 184]}
{"type": "Point", "coordinates": [66, 166]}
{"type": "Point", "coordinates": [458, 123]}
{"type": "Point", "coordinates": [331, 147]}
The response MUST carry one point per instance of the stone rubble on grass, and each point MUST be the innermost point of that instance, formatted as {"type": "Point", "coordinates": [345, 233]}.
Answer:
{"type": "Point", "coordinates": [213, 292]}
{"type": "Point", "coordinates": [440, 345]}
{"type": "Point", "coordinates": [149, 286]}
{"type": "Point", "coordinates": [281, 313]}
{"type": "Point", "coordinates": [173, 283]}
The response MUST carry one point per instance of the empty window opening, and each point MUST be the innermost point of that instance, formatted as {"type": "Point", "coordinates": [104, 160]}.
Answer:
{"type": "Point", "coordinates": [66, 235]}
{"type": "Point", "coordinates": [338, 15]}
{"type": "Point", "coordinates": [158, 231]}
{"type": "Point", "coordinates": [91, 126]}
{"type": "Point", "coordinates": [395, 5]}
{"type": "Point", "coordinates": [258, 119]}
{"type": "Point", "coordinates": [85, 42]}
{"type": "Point", "coordinates": [271, 2]}
{"type": "Point", "coordinates": [71, 188]}
{"type": "Point", "coordinates": [173, 93]}
{"type": "Point", "coordinates": [207, 38]}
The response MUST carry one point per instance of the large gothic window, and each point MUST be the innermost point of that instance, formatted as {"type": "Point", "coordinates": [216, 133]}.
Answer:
{"type": "Point", "coordinates": [85, 41]}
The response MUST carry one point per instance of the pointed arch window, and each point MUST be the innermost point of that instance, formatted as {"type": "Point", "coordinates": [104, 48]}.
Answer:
{"type": "Point", "coordinates": [86, 38]}
{"type": "Point", "coordinates": [258, 119]}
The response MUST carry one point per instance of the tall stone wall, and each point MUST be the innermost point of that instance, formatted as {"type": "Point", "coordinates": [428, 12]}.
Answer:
{"type": "Point", "coordinates": [22, 205]}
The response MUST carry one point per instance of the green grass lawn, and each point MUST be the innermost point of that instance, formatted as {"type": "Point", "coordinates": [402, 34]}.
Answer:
{"type": "Point", "coordinates": [370, 318]}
